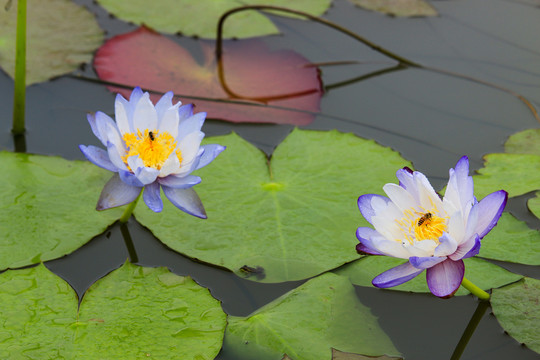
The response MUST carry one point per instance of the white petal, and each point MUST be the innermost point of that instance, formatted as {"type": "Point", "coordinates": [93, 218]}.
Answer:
{"type": "Point", "coordinates": [122, 114]}
{"type": "Point", "coordinates": [145, 116]}
{"type": "Point", "coordinates": [189, 147]}
{"type": "Point", "coordinates": [169, 121]}
{"type": "Point", "coordinates": [171, 166]}
{"type": "Point", "coordinates": [163, 104]}
{"type": "Point", "coordinates": [400, 197]}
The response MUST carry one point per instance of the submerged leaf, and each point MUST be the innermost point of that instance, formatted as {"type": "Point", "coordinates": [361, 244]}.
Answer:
{"type": "Point", "coordinates": [398, 7]}
{"type": "Point", "coordinates": [48, 207]}
{"type": "Point", "coordinates": [177, 16]}
{"type": "Point", "coordinates": [307, 322]}
{"type": "Point", "coordinates": [517, 309]}
{"type": "Point", "coordinates": [480, 272]}
{"type": "Point", "coordinates": [60, 36]}
{"type": "Point", "coordinates": [252, 73]}
{"type": "Point", "coordinates": [115, 316]}
{"type": "Point", "coordinates": [288, 219]}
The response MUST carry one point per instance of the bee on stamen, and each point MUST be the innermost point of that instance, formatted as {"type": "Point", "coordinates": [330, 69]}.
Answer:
{"type": "Point", "coordinates": [151, 135]}
{"type": "Point", "coordinates": [426, 216]}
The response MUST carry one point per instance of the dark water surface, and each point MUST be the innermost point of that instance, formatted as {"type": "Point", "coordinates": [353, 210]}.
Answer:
{"type": "Point", "coordinates": [430, 118]}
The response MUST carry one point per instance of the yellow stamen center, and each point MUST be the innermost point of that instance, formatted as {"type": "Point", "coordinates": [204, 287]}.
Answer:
{"type": "Point", "coordinates": [429, 227]}
{"type": "Point", "coordinates": [418, 226]}
{"type": "Point", "coordinates": [152, 147]}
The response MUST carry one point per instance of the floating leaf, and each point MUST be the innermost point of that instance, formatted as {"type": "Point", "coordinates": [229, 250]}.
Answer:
{"type": "Point", "coordinates": [517, 308]}
{"type": "Point", "coordinates": [288, 219]}
{"type": "Point", "coordinates": [48, 207]}
{"type": "Point", "coordinates": [307, 322]}
{"type": "Point", "coordinates": [398, 7]}
{"type": "Point", "coordinates": [255, 74]}
{"type": "Point", "coordinates": [480, 272]}
{"type": "Point", "coordinates": [524, 142]}
{"type": "Point", "coordinates": [512, 240]}
{"type": "Point", "coordinates": [177, 16]}
{"type": "Point", "coordinates": [132, 313]}
{"type": "Point", "coordinates": [516, 173]}
{"type": "Point", "coordinates": [534, 204]}
{"type": "Point", "coordinates": [60, 36]}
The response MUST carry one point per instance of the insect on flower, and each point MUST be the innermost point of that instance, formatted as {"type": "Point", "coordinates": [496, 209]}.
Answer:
{"type": "Point", "coordinates": [433, 234]}
{"type": "Point", "coordinates": [152, 148]}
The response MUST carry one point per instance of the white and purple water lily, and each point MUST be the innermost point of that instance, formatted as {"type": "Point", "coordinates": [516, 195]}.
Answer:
{"type": "Point", "coordinates": [435, 235]}
{"type": "Point", "coordinates": [151, 147]}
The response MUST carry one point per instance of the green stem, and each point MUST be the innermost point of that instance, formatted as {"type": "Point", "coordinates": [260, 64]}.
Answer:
{"type": "Point", "coordinates": [129, 210]}
{"type": "Point", "coordinates": [469, 331]}
{"type": "Point", "coordinates": [475, 290]}
{"type": "Point", "coordinates": [19, 93]}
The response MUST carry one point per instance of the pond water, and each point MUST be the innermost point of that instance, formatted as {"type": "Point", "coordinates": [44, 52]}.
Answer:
{"type": "Point", "coordinates": [430, 118]}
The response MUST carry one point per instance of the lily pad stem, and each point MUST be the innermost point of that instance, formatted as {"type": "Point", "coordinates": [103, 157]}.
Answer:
{"type": "Point", "coordinates": [469, 331]}
{"type": "Point", "coordinates": [129, 210]}
{"type": "Point", "coordinates": [19, 92]}
{"type": "Point", "coordinates": [475, 290]}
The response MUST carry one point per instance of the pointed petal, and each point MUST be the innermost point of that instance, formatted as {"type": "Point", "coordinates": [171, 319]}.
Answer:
{"type": "Point", "coordinates": [171, 166]}
{"type": "Point", "coordinates": [152, 198]}
{"type": "Point", "coordinates": [100, 124]}
{"type": "Point", "coordinates": [396, 276]}
{"type": "Point", "coordinates": [169, 120]}
{"type": "Point", "coordinates": [467, 249]}
{"type": "Point", "coordinates": [116, 193]}
{"type": "Point", "coordinates": [98, 157]}
{"type": "Point", "coordinates": [185, 111]}
{"type": "Point", "coordinates": [425, 262]}
{"type": "Point", "coordinates": [376, 242]}
{"type": "Point", "coordinates": [189, 146]}
{"type": "Point", "coordinates": [367, 245]}
{"type": "Point", "coordinates": [444, 279]}
{"type": "Point", "coordinates": [122, 113]}
{"type": "Point", "coordinates": [370, 203]}
{"type": "Point", "coordinates": [115, 157]}
{"type": "Point", "coordinates": [144, 116]}
{"type": "Point", "coordinates": [163, 104]}
{"type": "Point", "coordinates": [186, 200]}
{"type": "Point", "coordinates": [191, 125]}
{"type": "Point", "coordinates": [211, 151]}
{"type": "Point", "coordinates": [179, 182]}
{"type": "Point", "coordinates": [489, 210]}
{"type": "Point", "coordinates": [447, 245]}
{"type": "Point", "coordinates": [400, 197]}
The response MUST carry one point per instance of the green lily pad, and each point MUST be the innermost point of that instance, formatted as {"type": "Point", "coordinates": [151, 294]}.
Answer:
{"type": "Point", "coordinates": [513, 241]}
{"type": "Point", "coordinates": [60, 36]}
{"type": "Point", "coordinates": [289, 218]}
{"type": "Point", "coordinates": [176, 16]}
{"type": "Point", "coordinates": [132, 313]}
{"type": "Point", "coordinates": [307, 323]}
{"type": "Point", "coordinates": [516, 173]}
{"type": "Point", "coordinates": [482, 273]}
{"type": "Point", "coordinates": [517, 310]}
{"type": "Point", "coordinates": [524, 142]}
{"type": "Point", "coordinates": [534, 204]}
{"type": "Point", "coordinates": [48, 207]}
{"type": "Point", "coordinates": [398, 7]}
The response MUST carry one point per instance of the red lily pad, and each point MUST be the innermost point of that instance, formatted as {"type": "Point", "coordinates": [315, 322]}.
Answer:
{"type": "Point", "coordinates": [252, 73]}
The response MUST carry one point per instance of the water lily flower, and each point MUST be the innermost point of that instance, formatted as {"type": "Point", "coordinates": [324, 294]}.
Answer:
{"type": "Point", "coordinates": [434, 234]}
{"type": "Point", "coordinates": [151, 147]}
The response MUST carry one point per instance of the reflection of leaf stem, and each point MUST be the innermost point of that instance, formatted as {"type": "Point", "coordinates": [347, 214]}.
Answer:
{"type": "Point", "coordinates": [365, 77]}
{"type": "Point", "coordinates": [401, 60]}
{"type": "Point", "coordinates": [469, 330]}
{"type": "Point", "coordinates": [19, 92]}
